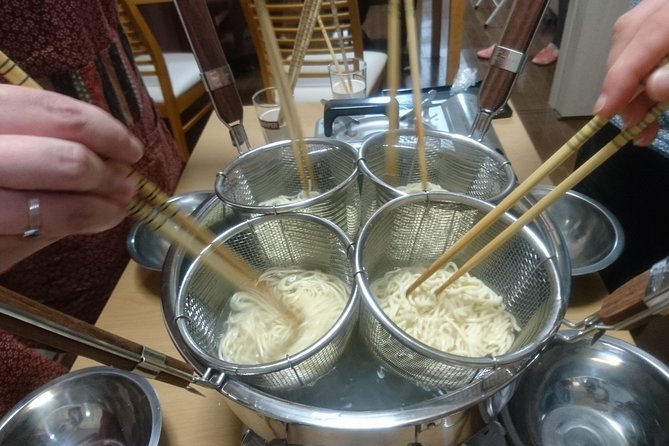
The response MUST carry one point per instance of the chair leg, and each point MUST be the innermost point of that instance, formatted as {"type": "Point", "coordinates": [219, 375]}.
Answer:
{"type": "Point", "coordinates": [179, 137]}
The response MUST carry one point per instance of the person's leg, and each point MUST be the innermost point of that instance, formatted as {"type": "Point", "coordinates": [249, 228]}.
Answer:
{"type": "Point", "coordinates": [549, 54]}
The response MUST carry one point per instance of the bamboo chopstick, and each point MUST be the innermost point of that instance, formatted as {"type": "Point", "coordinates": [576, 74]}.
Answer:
{"type": "Point", "coordinates": [304, 168]}
{"type": "Point", "coordinates": [595, 161]}
{"type": "Point", "coordinates": [557, 159]}
{"type": "Point", "coordinates": [335, 61]}
{"type": "Point", "coordinates": [307, 23]}
{"type": "Point", "coordinates": [393, 80]}
{"type": "Point", "coordinates": [14, 74]}
{"type": "Point", "coordinates": [167, 219]}
{"type": "Point", "coordinates": [412, 43]}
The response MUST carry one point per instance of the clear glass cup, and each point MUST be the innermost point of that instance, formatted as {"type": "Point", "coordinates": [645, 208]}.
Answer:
{"type": "Point", "coordinates": [348, 79]}
{"type": "Point", "coordinates": [268, 109]}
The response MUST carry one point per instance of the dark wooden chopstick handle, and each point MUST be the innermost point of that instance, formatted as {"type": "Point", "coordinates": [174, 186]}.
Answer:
{"type": "Point", "coordinates": [32, 320]}
{"type": "Point", "coordinates": [518, 33]}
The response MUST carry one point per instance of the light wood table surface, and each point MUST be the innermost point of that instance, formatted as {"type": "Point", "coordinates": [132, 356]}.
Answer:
{"type": "Point", "coordinates": [134, 311]}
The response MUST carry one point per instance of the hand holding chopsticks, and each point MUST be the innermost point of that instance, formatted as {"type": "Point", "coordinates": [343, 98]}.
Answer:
{"type": "Point", "coordinates": [605, 153]}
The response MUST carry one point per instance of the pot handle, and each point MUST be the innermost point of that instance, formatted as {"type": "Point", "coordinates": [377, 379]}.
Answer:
{"type": "Point", "coordinates": [335, 108]}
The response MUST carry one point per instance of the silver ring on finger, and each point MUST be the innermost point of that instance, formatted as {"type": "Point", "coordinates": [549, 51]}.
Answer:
{"type": "Point", "coordinates": [33, 219]}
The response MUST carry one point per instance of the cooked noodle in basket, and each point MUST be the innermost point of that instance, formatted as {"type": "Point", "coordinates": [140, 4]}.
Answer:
{"type": "Point", "coordinates": [291, 310]}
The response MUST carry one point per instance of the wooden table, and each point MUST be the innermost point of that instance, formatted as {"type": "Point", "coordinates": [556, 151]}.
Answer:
{"type": "Point", "coordinates": [134, 312]}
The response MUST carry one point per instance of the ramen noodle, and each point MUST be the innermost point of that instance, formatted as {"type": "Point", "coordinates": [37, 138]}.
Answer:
{"type": "Point", "coordinates": [291, 309]}
{"type": "Point", "coordinates": [466, 319]}
{"type": "Point", "coordinates": [412, 188]}
{"type": "Point", "coordinates": [287, 199]}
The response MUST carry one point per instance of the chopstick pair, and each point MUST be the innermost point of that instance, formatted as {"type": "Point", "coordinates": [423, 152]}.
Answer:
{"type": "Point", "coordinates": [570, 147]}
{"type": "Point", "coordinates": [151, 206]}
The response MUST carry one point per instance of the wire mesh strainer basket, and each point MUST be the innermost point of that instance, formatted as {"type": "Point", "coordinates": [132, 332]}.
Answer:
{"type": "Point", "coordinates": [254, 180]}
{"type": "Point", "coordinates": [454, 162]}
{"type": "Point", "coordinates": [414, 230]}
{"type": "Point", "coordinates": [282, 240]}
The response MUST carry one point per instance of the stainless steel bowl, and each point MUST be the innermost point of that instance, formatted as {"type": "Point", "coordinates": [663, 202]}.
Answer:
{"type": "Point", "coordinates": [146, 247]}
{"type": "Point", "coordinates": [609, 393]}
{"type": "Point", "coordinates": [94, 406]}
{"type": "Point", "coordinates": [593, 235]}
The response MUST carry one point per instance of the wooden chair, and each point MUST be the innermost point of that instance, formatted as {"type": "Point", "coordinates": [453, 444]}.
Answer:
{"type": "Point", "coordinates": [313, 83]}
{"type": "Point", "coordinates": [172, 79]}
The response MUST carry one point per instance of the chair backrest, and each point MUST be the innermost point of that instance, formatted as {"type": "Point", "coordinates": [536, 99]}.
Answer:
{"type": "Point", "coordinates": [172, 79]}
{"type": "Point", "coordinates": [285, 16]}
{"type": "Point", "coordinates": [144, 46]}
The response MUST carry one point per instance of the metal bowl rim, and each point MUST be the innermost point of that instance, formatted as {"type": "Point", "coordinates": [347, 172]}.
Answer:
{"type": "Point", "coordinates": [131, 240]}
{"type": "Point", "coordinates": [141, 382]}
{"type": "Point", "coordinates": [619, 238]}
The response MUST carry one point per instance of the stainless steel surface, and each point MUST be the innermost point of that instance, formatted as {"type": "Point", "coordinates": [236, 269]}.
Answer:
{"type": "Point", "coordinates": [359, 401]}
{"type": "Point", "coordinates": [95, 406]}
{"type": "Point", "coordinates": [146, 247]}
{"type": "Point", "coordinates": [454, 162]}
{"type": "Point", "coordinates": [445, 112]}
{"type": "Point", "coordinates": [272, 170]}
{"type": "Point", "coordinates": [592, 233]}
{"type": "Point", "coordinates": [281, 240]}
{"type": "Point", "coordinates": [415, 230]}
{"type": "Point", "coordinates": [609, 393]}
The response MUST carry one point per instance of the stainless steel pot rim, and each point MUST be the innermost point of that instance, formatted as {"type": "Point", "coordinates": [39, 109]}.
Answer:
{"type": "Point", "coordinates": [555, 315]}
{"type": "Point", "coordinates": [380, 137]}
{"type": "Point", "coordinates": [350, 310]}
{"type": "Point", "coordinates": [289, 207]}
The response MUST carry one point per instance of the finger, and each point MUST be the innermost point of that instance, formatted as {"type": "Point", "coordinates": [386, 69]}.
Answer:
{"type": "Point", "coordinates": [636, 110]}
{"type": "Point", "coordinates": [634, 55]}
{"type": "Point", "coordinates": [38, 163]}
{"type": "Point", "coordinates": [646, 137]}
{"type": "Point", "coordinates": [657, 85]}
{"type": "Point", "coordinates": [43, 113]}
{"type": "Point", "coordinates": [57, 214]}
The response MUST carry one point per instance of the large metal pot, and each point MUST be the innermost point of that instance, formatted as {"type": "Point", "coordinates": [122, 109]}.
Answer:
{"type": "Point", "coordinates": [359, 402]}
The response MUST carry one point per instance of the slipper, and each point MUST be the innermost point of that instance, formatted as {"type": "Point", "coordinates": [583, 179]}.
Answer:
{"type": "Point", "coordinates": [486, 53]}
{"type": "Point", "coordinates": [546, 56]}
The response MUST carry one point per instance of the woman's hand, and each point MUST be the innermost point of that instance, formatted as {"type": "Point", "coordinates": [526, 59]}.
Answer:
{"type": "Point", "coordinates": [640, 43]}
{"type": "Point", "coordinates": [69, 157]}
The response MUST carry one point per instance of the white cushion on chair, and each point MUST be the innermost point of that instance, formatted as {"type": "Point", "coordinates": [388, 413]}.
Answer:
{"type": "Point", "coordinates": [313, 89]}
{"type": "Point", "coordinates": [183, 70]}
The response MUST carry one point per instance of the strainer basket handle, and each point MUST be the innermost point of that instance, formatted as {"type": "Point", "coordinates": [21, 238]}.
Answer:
{"type": "Point", "coordinates": [214, 68]}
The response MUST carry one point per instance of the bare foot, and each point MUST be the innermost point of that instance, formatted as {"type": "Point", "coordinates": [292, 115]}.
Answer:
{"type": "Point", "coordinates": [486, 53]}
{"type": "Point", "coordinates": [546, 56]}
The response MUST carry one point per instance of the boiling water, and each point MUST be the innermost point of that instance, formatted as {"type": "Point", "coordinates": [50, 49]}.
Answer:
{"type": "Point", "coordinates": [359, 383]}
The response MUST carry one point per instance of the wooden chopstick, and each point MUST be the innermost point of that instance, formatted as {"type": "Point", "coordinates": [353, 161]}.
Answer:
{"type": "Point", "coordinates": [585, 169]}
{"type": "Point", "coordinates": [307, 23]}
{"type": "Point", "coordinates": [393, 80]}
{"type": "Point", "coordinates": [304, 168]}
{"type": "Point", "coordinates": [151, 206]}
{"type": "Point", "coordinates": [557, 159]}
{"type": "Point", "coordinates": [14, 74]}
{"type": "Point", "coordinates": [412, 43]}
{"type": "Point", "coordinates": [335, 61]}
